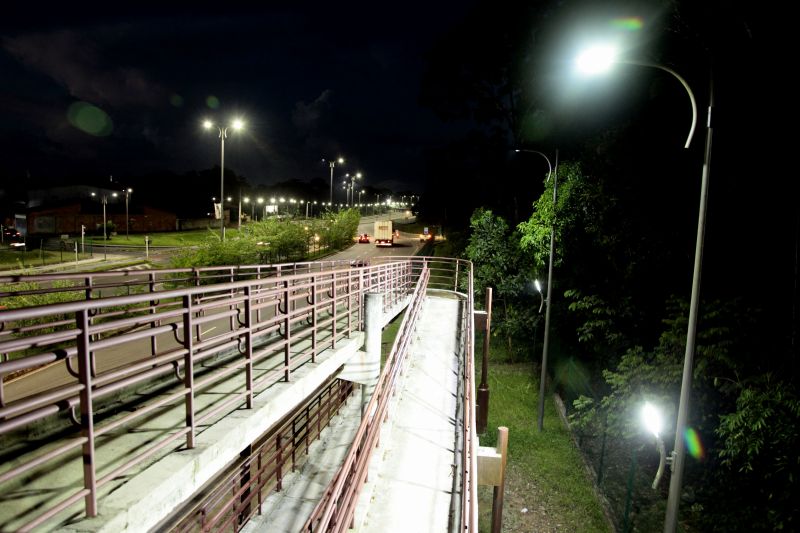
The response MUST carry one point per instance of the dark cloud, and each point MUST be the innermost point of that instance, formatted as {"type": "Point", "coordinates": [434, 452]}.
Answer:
{"type": "Point", "coordinates": [306, 117]}
{"type": "Point", "coordinates": [79, 65]}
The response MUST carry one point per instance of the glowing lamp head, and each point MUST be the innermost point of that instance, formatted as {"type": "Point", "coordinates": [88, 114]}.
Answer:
{"type": "Point", "coordinates": [651, 418]}
{"type": "Point", "coordinates": [207, 124]}
{"type": "Point", "coordinates": [597, 59]}
{"type": "Point", "coordinates": [537, 285]}
{"type": "Point", "coordinates": [238, 124]}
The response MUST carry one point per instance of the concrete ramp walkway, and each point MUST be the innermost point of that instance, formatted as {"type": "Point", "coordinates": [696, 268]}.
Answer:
{"type": "Point", "coordinates": [410, 485]}
{"type": "Point", "coordinates": [411, 473]}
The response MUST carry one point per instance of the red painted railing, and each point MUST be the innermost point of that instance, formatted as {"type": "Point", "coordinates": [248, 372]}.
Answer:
{"type": "Point", "coordinates": [334, 512]}
{"type": "Point", "coordinates": [225, 323]}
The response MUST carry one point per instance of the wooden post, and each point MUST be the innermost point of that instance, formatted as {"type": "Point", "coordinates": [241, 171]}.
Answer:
{"type": "Point", "coordinates": [499, 490]}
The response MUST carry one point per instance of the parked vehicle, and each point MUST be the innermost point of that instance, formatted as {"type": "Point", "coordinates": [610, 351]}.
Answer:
{"type": "Point", "coordinates": [13, 238]}
{"type": "Point", "coordinates": [384, 236]}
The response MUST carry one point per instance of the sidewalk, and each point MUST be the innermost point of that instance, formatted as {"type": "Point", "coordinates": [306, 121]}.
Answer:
{"type": "Point", "coordinates": [410, 485]}
{"type": "Point", "coordinates": [109, 261]}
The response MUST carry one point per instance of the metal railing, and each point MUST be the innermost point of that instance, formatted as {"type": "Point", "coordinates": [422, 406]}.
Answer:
{"type": "Point", "coordinates": [255, 324]}
{"type": "Point", "coordinates": [257, 331]}
{"type": "Point", "coordinates": [335, 511]}
{"type": "Point", "coordinates": [241, 494]}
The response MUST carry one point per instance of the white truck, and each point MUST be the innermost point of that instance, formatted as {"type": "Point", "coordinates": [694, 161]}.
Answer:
{"type": "Point", "coordinates": [383, 233]}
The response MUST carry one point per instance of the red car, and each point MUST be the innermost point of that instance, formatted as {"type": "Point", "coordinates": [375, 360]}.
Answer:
{"type": "Point", "coordinates": [363, 238]}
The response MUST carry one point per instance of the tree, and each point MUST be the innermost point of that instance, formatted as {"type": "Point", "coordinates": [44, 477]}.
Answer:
{"type": "Point", "coordinates": [498, 263]}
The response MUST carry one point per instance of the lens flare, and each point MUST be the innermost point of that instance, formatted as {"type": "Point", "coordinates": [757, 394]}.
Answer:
{"type": "Point", "coordinates": [90, 119]}
{"type": "Point", "coordinates": [627, 23]}
{"type": "Point", "coordinates": [212, 102]}
{"type": "Point", "coordinates": [693, 444]}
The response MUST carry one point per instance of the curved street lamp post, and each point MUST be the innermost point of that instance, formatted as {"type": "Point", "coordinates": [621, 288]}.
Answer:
{"type": "Point", "coordinates": [598, 60]}
{"type": "Point", "coordinates": [548, 300]}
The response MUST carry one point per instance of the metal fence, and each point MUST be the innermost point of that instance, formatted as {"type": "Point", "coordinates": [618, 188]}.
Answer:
{"type": "Point", "coordinates": [240, 494]}
{"type": "Point", "coordinates": [334, 512]}
{"type": "Point", "coordinates": [188, 330]}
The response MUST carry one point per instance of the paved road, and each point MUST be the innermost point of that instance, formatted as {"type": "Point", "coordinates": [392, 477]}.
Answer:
{"type": "Point", "coordinates": [407, 245]}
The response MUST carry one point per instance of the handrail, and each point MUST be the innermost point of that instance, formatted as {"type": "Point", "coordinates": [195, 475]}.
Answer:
{"type": "Point", "coordinates": [200, 336]}
{"type": "Point", "coordinates": [195, 337]}
{"type": "Point", "coordinates": [334, 512]}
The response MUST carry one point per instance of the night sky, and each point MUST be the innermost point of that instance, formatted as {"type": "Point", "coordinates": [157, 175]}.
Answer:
{"type": "Point", "coordinates": [123, 91]}
{"type": "Point", "coordinates": [311, 82]}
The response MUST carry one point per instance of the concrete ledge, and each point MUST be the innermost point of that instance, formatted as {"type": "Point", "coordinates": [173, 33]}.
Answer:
{"type": "Point", "coordinates": [151, 496]}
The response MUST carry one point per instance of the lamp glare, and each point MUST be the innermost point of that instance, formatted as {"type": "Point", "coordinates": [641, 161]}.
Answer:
{"type": "Point", "coordinates": [596, 60]}
{"type": "Point", "coordinates": [651, 418]}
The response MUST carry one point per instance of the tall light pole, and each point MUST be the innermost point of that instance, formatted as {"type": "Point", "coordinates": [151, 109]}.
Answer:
{"type": "Point", "coordinates": [104, 201]}
{"type": "Point", "coordinates": [239, 215]}
{"type": "Point", "coordinates": [128, 193]}
{"type": "Point", "coordinates": [546, 346]}
{"type": "Point", "coordinates": [350, 180]}
{"type": "Point", "coordinates": [237, 125]}
{"type": "Point", "coordinates": [332, 164]}
{"type": "Point", "coordinates": [598, 60]}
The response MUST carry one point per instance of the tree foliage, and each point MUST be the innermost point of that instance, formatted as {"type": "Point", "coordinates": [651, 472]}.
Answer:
{"type": "Point", "coordinates": [498, 263]}
{"type": "Point", "coordinates": [274, 240]}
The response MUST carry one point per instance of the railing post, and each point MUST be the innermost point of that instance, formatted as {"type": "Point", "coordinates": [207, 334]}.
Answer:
{"type": "Point", "coordinates": [333, 312]}
{"type": "Point", "coordinates": [287, 346]}
{"type": "Point", "coordinates": [156, 323]}
{"type": "Point", "coordinates": [87, 419]}
{"type": "Point", "coordinates": [188, 368]}
{"type": "Point", "coordinates": [313, 319]}
{"type": "Point", "coordinates": [349, 303]}
{"type": "Point", "coordinates": [248, 324]}
{"type": "Point", "coordinates": [278, 463]}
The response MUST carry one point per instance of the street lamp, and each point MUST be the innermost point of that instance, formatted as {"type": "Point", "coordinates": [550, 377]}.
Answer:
{"type": "Point", "coordinates": [548, 300]}
{"type": "Point", "coordinates": [597, 60]}
{"type": "Point", "coordinates": [332, 163]}
{"type": "Point", "coordinates": [651, 419]}
{"type": "Point", "coordinates": [104, 201]}
{"type": "Point", "coordinates": [128, 193]}
{"type": "Point", "coordinates": [541, 296]}
{"type": "Point", "coordinates": [237, 125]}
{"type": "Point", "coordinates": [351, 178]}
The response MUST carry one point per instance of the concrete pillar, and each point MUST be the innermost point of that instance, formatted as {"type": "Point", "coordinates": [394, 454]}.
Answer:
{"type": "Point", "coordinates": [373, 331]}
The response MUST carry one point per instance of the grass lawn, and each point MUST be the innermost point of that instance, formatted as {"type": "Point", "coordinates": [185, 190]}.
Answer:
{"type": "Point", "coordinates": [180, 238]}
{"type": "Point", "coordinates": [13, 259]}
{"type": "Point", "coordinates": [547, 488]}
